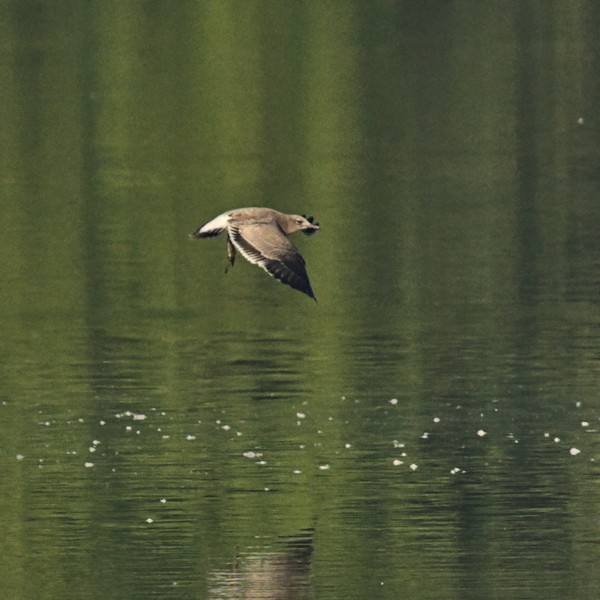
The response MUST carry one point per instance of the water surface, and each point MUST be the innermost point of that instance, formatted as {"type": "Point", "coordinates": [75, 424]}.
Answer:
{"type": "Point", "coordinates": [428, 429]}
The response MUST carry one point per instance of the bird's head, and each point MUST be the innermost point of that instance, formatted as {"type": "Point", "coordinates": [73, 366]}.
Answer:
{"type": "Point", "coordinates": [308, 225]}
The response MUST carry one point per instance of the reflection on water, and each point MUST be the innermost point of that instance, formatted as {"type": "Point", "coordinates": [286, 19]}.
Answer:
{"type": "Point", "coordinates": [436, 415]}
{"type": "Point", "coordinates": [273, 573]}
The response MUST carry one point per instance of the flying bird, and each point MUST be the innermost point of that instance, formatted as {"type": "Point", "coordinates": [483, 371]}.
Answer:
{"type": "Point", "coordinates": [260, 235]}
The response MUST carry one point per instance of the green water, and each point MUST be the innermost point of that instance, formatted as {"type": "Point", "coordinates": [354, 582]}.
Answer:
{"type": "Point", "coordinates": [428, 429]}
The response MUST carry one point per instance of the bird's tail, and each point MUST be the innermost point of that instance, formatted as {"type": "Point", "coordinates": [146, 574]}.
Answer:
{"type": "Point", "coordinates": [212, 228]}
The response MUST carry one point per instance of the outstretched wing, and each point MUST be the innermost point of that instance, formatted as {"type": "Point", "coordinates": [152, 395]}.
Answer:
{"type": "Point", "coordinates": [265, 245]}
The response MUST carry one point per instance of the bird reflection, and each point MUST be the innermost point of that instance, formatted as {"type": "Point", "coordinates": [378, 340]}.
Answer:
{"type": "Point", "coordinates": [281, 573]}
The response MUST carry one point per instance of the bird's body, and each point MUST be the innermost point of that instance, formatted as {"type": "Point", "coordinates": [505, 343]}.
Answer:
{"type": "Point", "coordinates": [260, 235]}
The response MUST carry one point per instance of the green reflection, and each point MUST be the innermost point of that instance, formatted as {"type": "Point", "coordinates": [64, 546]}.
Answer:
{"type": "Point", "coordinates": [448, 150]}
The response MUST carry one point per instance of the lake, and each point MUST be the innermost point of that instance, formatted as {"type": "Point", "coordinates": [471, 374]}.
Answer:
{"type": "Point", "coordinates": [428, 429]}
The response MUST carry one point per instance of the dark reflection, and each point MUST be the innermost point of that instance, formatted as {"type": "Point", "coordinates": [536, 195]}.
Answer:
{"type": "Point", "coordinates": [279, 573]}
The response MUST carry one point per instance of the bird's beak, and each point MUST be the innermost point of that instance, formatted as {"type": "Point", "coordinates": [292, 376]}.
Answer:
{"type": "Point", "coordinates": [312, 228]}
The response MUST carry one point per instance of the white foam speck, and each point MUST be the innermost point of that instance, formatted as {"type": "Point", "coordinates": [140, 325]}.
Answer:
{"type": "Point", "coordinates": [252, 454]}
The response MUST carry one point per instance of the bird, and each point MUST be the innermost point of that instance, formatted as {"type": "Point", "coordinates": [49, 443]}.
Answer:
{"type": "Point", "coordinates": [260, 235]}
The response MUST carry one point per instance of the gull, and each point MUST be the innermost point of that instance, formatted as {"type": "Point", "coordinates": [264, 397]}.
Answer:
{"type": "Point", "coordinates": [260, 235]}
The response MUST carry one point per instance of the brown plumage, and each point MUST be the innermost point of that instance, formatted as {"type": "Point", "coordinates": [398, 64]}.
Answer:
{"type": "Point", "coordinates": [260, 235]}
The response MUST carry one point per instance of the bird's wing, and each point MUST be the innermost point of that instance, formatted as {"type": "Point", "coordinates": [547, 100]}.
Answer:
{"type": "Point", "coordinates": [265, 245]}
